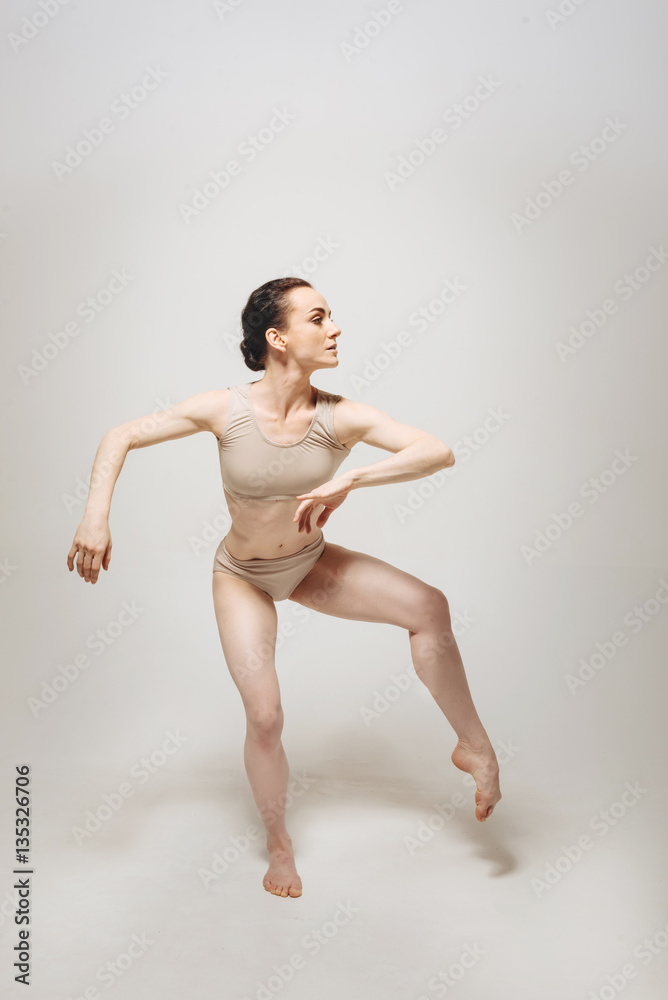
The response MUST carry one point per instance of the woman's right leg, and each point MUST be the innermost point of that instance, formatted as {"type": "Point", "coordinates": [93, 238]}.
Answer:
{"type": "Point", "coordinates": [247, 624]}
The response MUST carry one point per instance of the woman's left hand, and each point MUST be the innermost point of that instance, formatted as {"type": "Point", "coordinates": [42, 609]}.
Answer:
{"type": "Point", "coordinates": [331, 494]}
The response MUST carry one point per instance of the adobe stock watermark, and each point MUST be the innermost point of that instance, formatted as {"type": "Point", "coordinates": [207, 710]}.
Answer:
{"type": "Point", "coordinates": [98, 642]}
{"type": "Point", "coordinates": [140, 772]}
{"type": "Point", "coordinates": [210, 531]}
{"type": "Point", "coordinates": [563, 12]}
{"type": "Point", "coordinates": [79, 496]}
{"type": "Point", "coordinates": [32, 24]}
{"type": "Point", "coordinates": [113, 970]}
{"type": "Point", "coordinates": [364, 34]}
{"type": "Point", "coordinates": [59, 340]}
{"type": "Point", "coordinates": [601, 823]}
{"type": "Point", "coordinates": [247, 150]}
{"type": "Point", "coordinates": [455, 116]}
{"type": "Point", "coordinates": [421, 319]}
{"type": "Point", "coordinates": [235, 848]}
{"type": "Point", "coordinates": [225, 7]}
{"type": "Point", "coordinates": [464, 449]}
{"type": "Point", "coordinates": [636, 619]}
{"type": "Point", "coordinates": [121, 108]}
{"type": "Point", "coordinates": [581, 158]}
{"type": "Point", "coordinates": [222, 861]}
{"type": "Point", "coordinates": [446, 979]}
{"type": "Point", "coordinates": [426, 829]}
{"type": "Point", "coordinates": [9, 905]}
{"type": "Point", "coordinates": [383, 699]}
{"type": "Point", "coordinates": [312, 943]}
{"type": "Point", "coordinates": [7, 569]}
{"type": "Point", "coordinates": [264, 475]}
{"type": "Point", "coordinates": [625, 287]}
{"type": "Point", "coordinates": [592, 490]}
{"type": "Point", "coordinates": [645, 951]}
{"type": "Point", "coordinates": [258, 653]}
{"type": "Point", "coordinates": [309, 264]}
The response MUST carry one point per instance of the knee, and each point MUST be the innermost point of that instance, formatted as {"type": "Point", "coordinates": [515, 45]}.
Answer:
{"type": "Point", "coordinates": [265, 725]}
{"type": "Point", "coordinates": [435, 629]}
{"type": "Point", "coordinates": [435, 608]}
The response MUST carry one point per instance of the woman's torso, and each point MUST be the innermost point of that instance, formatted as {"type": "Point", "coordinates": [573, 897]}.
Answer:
{"type": "Point", "coordinates": [262, 476]}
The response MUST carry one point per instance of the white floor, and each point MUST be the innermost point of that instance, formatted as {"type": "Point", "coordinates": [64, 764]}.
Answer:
{"type": "Point", "coordinates": [560, 895]}
{"type": "Point", "coordinates": [396, 903]}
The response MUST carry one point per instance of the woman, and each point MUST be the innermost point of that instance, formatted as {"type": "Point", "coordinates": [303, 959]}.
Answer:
{"type": "Point", "coordinates": [280, 446]}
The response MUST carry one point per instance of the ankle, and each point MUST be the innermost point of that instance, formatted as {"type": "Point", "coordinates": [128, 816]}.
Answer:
{"type": "Point", "coordinates": [479, 745]}
{"type": "Point", "coordinates": [279, 843]}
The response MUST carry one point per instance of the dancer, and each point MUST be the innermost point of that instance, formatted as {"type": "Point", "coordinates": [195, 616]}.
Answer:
{"type": "Point", "coordinates": [281, 441]}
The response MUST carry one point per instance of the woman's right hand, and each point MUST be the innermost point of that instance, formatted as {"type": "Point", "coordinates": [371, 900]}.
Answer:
{"type": "Point", "coordinates": [92, 547]}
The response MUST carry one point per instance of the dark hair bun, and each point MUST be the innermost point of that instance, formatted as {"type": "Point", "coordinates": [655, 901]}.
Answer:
{"type": "Point", "coordinates": [267, 306]}
{"type": "Point", "coordinates": [250, 355]}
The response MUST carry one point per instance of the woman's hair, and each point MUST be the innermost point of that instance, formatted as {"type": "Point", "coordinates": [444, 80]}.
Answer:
{"type": "Point", "coordinates": [267, 306]}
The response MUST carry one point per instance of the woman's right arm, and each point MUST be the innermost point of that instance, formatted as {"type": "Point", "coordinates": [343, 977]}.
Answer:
{"type": "Point", "coordinates": [205, 411]}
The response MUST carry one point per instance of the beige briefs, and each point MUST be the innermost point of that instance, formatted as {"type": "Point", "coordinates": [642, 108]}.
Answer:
{"type": "Point", "coordinates": [277, 577]}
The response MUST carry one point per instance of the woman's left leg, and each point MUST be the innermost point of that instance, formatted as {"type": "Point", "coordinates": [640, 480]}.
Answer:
{"type": "Point", "coordinates": [358, 586]}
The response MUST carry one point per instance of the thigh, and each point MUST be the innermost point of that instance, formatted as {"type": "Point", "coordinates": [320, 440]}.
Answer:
{"type": "Point", "coordinates": [355, 585]}
{"type": "Point", "coordinates": [247, 625]}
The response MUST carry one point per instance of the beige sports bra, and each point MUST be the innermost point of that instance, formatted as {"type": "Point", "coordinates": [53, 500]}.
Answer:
{"type": "Point", "coordinates": [255, 468]}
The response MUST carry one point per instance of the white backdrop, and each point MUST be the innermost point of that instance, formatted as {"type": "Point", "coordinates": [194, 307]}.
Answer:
{"type": "Point", "coordinates": [478, 190]}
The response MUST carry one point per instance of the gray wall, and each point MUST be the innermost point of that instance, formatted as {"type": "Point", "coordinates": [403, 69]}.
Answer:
{"type": "Point", "coordinates": [503, 150]}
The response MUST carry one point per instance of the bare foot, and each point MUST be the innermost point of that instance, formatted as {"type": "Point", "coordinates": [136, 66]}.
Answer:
{"type": "Point", "coordinates": [483, 765]}
{"type": "Point", "coordinates": [282, 878]}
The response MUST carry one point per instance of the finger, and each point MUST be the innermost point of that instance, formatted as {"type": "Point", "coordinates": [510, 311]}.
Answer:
{"type": "Point", "coordinates": [304, 518]}
{"type": "Point", "coordinates": [80, 562]}
{"type": "Point", "coordinates": [309, 503]}
{"type": "Point", "coordinates": [107, 557]}
{"type": "Point", "coordinates": [320, 513]}
{"type": "Point", "coordinates": [307, 500]}
{"type": "Point", "coordinates": [299, 513]}
{"type": "Point", "coordinates": [88, 560]}
{"type": "Point", "coordinates": [95, 567]}
{"type": "Point", "coordinates": [71, 554]}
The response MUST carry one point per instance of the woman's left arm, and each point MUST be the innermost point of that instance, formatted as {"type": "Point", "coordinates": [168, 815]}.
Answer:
{"type": "Point", "coordinates": [417, 453]}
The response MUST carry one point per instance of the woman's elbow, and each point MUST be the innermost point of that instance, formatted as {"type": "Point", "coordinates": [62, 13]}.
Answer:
{"type": "Point", "coordinates": [448, 459]}
{"type": "Point", "coordinates": [122, 437]}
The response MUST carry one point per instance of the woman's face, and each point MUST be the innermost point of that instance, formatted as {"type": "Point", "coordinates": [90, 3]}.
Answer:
{"type": "Point", "coordinates": [311, 335]}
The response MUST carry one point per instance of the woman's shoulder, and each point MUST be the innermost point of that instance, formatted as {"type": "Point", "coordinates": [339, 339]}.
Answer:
{"type": "Point", "coordinates": [337, 416]}
{"type": "Point", "coordinates": [327, 396]}
{"type": "Point", "coordinates": [211, 408]}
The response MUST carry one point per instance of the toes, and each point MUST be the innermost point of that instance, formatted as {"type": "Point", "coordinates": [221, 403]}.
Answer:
{"type": "Point", "coordinates": [486, 812]}
{"type": "Point", "coordinates": [281, 890]}
{"type": "Point", "coordinates": [482, 812]}
{"type": "Point", "coordinates": [282, 880]}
